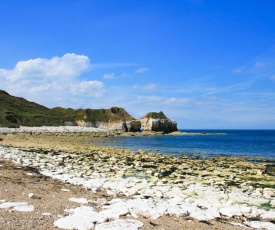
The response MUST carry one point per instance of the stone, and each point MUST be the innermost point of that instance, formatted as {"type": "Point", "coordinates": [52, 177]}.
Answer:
{"type": "Point", "coordinates": [260, 225]}
{"type": "Point", "coordinates": [79, 200]}
{"type": "Point", "coordinates": [74, 222]}
{"type": "Point", "coordinates": [101, 201]}
{"type": "Point", "coordinates": [125, 224]}
{"type": "Point", "coordinates": [269, 215]}
{"type": "Point", "coordinates": [202, 215]}
{"type": "Point", "coordinates": [17, 206]}
{"type": "Point", "coordinates": [116, 209]}
{"type": "Point", "coordinates": [192, 196]}
{"type": "Point", "coordinates": [24, 208]}
{"type": "Point", "coordinates": [230, 211]}
{"type": "Point", "coordinates": [33, 196]}
{"type": "Point", "coordinates": [272, 203]}
{"type": "Point", "coordinates": [82, 218]}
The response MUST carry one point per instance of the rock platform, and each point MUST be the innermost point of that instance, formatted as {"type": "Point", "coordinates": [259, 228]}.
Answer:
{"type": "Point", "coordinates": [155, 184]}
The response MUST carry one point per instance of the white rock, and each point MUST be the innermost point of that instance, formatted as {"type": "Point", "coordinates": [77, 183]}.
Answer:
{"type": "Point", "coordinates": [74, 222]}
{"type": "Point", "coordinates": [204, 215]}
{"type": "Point", "coordinates": [245, 210]}
{"type": "Point", "coordinates": [33, 196]}
{"type": "Point", "coordinates": [190, 200]}
{"type": "Point", "coordinates": [272, 203]}
{"type": "Point", "coordinates": [24, 208]}
{"type": "Point", "coordinates": [82, 218]}
{"type": "Point", "coordinates": [116, 209]}
{"type": "Point", "coordinates": [176, 210]}
{"type": "Point", "coordinates": [46, 214]}
{"type": "Point", "coordinates": [230, 211]}
{"type": "Point", "coordinates": [79, 200]}
{"type": "Point", "coordinates": [237, 224]}
{"type": "Point", "coordinates": [17, 206]}
{"type": "Point", "coordinates": [101, 201]}
{"type": "Point", "coordinates": [269, 215]}
{"type": "Point", "coordinates": [127, 224]}
{"type": "Point", "coordinates": [12, 204]}
{"type": "Point", "coordinates": [260, 225]}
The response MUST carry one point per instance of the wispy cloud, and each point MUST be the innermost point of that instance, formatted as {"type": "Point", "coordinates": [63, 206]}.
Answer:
{"type": "Point", "coordinates": [239, 69]}
{"type": "Point", "coordinates": [109, 75]}
{"type": "Point", "coordinates": [228, 89]}
{"type": "Point", "coordinates": [108, 65]}
{"type": "Point", "coordinates": [141, 70]}
{"type": "Point", "coordinates": [259, 64]}
{"type": "Point", "coordinates": [148, 87]}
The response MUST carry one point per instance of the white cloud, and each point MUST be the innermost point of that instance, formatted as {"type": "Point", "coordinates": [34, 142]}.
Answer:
{"type": "Point", "coordinates": [141, 70]}
{"type": "Point", "coordinates": [68, 66]}
{"type": "Point", "coordinates": [239, 69]}
{"type": "Point", "coordinates": [148, 87]}
{"type": "Point", "coordinates": [259, 64]}
{"type": "Point", "coordinates": [51, 81]}
{"type": "Point", "coordinates": [91, 88]}
{"type": "Point", "coordinates": [109, 75]}
{"type": "Point", "coordinates": [108, 65]}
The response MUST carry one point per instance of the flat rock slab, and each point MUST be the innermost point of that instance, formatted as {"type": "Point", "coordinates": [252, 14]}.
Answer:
{"type": "Point", "coordinates": [120, 224]}
{"type": "Point", "coordinates": [79, 200]}
{"type": "Point", "coordinates": [82, 218]}
{"type": "Point", "coordinates": [17, 206]}
{"type": "Point", "coordinates": [260, 225]}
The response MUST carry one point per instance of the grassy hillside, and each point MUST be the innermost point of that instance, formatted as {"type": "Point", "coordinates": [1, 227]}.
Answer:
{"type": "Point", "coordinates": [155, 115]}
{"type": "Point", "coordinates": [16, 111]}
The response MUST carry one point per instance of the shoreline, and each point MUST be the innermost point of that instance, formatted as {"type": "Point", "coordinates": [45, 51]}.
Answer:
{"type": "Point", "coordinates": [209, 190]}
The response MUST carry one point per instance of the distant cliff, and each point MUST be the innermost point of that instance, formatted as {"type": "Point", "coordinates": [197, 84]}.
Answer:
{"type": "Point", "coordinates": [17, 111]}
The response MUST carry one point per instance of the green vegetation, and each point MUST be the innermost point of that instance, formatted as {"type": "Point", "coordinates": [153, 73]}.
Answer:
{"type": "Point", "coordinates": [16, 111]}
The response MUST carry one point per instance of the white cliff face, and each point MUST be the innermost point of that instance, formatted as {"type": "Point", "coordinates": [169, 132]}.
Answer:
{"type": "Point", "coordinates": [158, 125]}
{"type": "Point", "coordinates": [126, 126]}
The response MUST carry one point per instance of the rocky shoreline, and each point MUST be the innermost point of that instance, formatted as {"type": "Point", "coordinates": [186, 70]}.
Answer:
{"type": "Point", "coordinates": [155, 185]}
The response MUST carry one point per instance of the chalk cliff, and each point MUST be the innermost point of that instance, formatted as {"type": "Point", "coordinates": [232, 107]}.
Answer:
{"type": "Point", "coordinates": [17, 111]}
{"type": "Point", "coordinates": [158, 122]}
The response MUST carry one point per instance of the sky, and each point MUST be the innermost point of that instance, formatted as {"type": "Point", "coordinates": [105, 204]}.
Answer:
{"type": "Point", "coordinates": [208, 64]}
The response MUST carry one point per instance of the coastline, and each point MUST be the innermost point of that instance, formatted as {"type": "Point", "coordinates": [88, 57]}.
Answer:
{"type": "Point", "coordinates": [220, 189]}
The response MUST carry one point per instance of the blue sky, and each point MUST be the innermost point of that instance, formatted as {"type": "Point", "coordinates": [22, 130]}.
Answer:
{"type": "Point", "coordinates": [205, 64]}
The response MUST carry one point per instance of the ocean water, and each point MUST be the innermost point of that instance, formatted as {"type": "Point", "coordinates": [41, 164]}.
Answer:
{"type": "Point", "coordinates": [248, 143]}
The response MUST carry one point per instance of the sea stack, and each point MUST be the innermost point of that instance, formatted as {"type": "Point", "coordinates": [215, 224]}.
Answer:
{"type": "Point", "coordinates": [158, 122]}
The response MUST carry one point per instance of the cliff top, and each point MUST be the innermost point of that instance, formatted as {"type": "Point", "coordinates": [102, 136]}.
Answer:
{"type": "Point", "coordinates": [155, 115]}
{"type": "Point", "coordinates": [16, 111]}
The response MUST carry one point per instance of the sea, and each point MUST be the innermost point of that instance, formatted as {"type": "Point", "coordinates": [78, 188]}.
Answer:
{"type": "Point", "coordinates": [205, 143]}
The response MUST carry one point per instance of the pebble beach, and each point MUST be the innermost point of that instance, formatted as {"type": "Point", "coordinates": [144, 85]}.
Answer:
{"type": "Point", "coordinates": [69, 183]}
